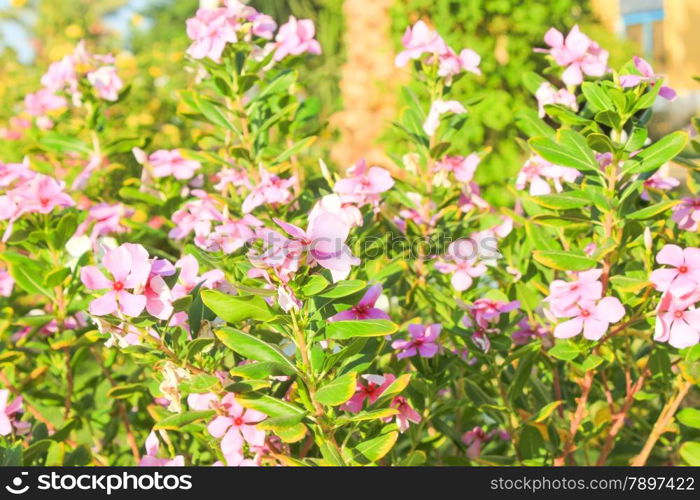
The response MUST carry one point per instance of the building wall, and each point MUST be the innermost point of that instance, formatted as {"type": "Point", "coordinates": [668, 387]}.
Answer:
{"type": "Point", "coordinates": [682, 43]}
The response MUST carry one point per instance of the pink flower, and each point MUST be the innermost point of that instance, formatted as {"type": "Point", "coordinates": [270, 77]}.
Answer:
{"type": "Point", "coordinates": [150, 459]}
{"type": "Point", "coordinates": [344, 207]}
{"type": "Point", "coordinates": [437, 109]}
{"type": "Point", "coordinates": [210, 30]}
{"type": "Point", "coordinates": [296, 37]}
{"type": "Point", "coordinates": [106, 82]}
{"type": "Point", "coordinates": [364, 182]}
{"type": "Point", "coordinates": [461, 261]}
{"type": "Point", "coordinates": [658, 182]}
{"type": "Point", "coordinates": [230, 236]}
{"type": "Point", "coordinates": [202, 401]}
{"type": "Point", "coordinates": [238, 178]}
{"type": "Point", "coordinates": [526, 332]}
{"type": "Point", "coordinates": [7, 283]}
{"type": "Point", "coordinates": [452, 64]}
{"type": "Point", "coordinates": [196, 216]}
{"type": "Point", "coordinates": [406, 413]}
{"type": "Point", "coordinates": [189, 278]}
{"type": "Point", "coordinates": [365, 307]}
{"type": "Point", "coordinates": [43, 102]}
{"type": "Point", "coordinates": [8, 413]}
{"type": "Point", "coordinates": [166, 163]}
{"type": "Point", "coordinates": [563, 295]}
{"type": "Point", "coordinates": [106, 219]}
{"type": "Point", "coordinates": [157, 292]}
{"type": "Point", "coordinates": [536, 171]}
{"type": "Point", "coordinates": [236, 426]}
{"type": "Point", "coordinates": [591, 317]}
{"type": "Point", "coordinates": [271, 189]}
{"type": "Point", "coordinates": [647, 75]}
{"type": "Point", "coordinates": [578, 53]}
{"type": "Point", "coordinates": [422, 342]}
{"type": "Point", "coordinates": [678, 321]}
{"type": "Point", "coordinates": [371, 390]}
{"type": "Point", "coordinates": [687, 214]}
{"type": "Point", "coordinates": [129, 267]}
{"type": "Point", "coordinates": [548, 94]}
{"type": "Point", "coordinates": [419, 40]}
{"type": "Point", "coordinates": [324, 241]}
{"type": "Point", "coordinates": [684, 276]}
{"type": "Point", "coordinates": [487, 311]}
{"type": "Point", "coordinates": [60, 74]}
{"type": "Point", "coordinates": [463, 167]}
{"type": "Point", "coordinates": [474, 439]}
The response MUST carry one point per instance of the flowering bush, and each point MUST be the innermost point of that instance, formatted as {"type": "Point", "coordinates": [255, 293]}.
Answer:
{"type": "Point", "coordinates": [236, 302]}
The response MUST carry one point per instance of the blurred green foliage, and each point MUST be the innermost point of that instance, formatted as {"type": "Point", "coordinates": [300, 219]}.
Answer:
{"type": "Point", "coordinates": [503, 32]}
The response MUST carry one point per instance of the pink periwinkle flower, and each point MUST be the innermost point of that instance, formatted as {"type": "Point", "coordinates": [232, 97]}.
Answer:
{"type": "Point", "coordinates": [437, 109]}
{"type": "Point", "coordinates": [238, 178]}
{"type": "Point", "coordinates": [296, 37]}
{"type": "Point", "coordinates": [461, 260]}
{"type": "Point", "coordinates": [578, 53]}
{"type": "Point", "coordinates": [271, 189]}
{"type": "Point", "coordinates": [344, 207]}
{"type": "Point", "coordinates": [563, 295]}
{"type": "Point", "coordinates": [548, 94]}
{"type": "Point", "coordinates": [42, 102]}
{"type": "Point", "coordinates": [658, 182]}
{"type": "Point", "coordinates": [150, 459]}
{"type": "Point", "coordinates": [537, 172]}
{"type": "Point", "coordinates": [462, 167]}
{"type": "Point", "coordinates": [105, 219]}
{"type": "Point", "coordinates": [452, 64]}
{"type": "Point", "coordinates": [418, 40]}
{"type": "Point", "coordinates": [678, 321]}
{"type": "Point", "coordinates": [687, 214]}
{"type": "Point", "coordinates": [7, 283]}
{"type": "Point", "coordinates": [196, 216]}
{"type": "Point", "coordinates": [369, 387]}
{"type": "Point", "coordinates": [189, 278]}
{"type": "Point", "coordinates": [683, 277]}
{"type": "Point", "coordinates": [324, 241]}
{"type": "Point", "coordinates": [527, 332]}
{"type": "Point", "coordinates": [475, 439]}
{"type": "Point", "coordinates": [236, 426]}
{"type": "Point", "coordinates": [485, 312]}
{"type": "Point", "coordinates": [106, 82]}
{"type": "Point", "coordinates": [363, 183]}
{"type": "Point", "coordinates": [210, 30]}
{"type": "Point", "coordinates": [646, 75]}
{"type": "Point", "coordinates": [365, 307]}
{"type": "Point", "coordinates": [406, 413]}
{"type": "Point", "coordinates": [8, 414]}
{"type": "Point", "coordinates": [423, 341]}
{"type": "Point", "coordinates": [230, 236]}
{"type": "Point", "coordinates": [164, 163]}
{"type": "Point", "coordinates": [129, 267]}
{"type": "Point", "coordinates": [591, 317]}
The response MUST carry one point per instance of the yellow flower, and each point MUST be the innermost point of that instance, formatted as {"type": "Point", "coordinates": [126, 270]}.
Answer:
{"type": "Point", "coordinates": [18, 3]}
{"type": "Point", "coordinates": [74, 31]}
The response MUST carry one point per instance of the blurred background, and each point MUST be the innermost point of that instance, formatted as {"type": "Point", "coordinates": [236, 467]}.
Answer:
{"type": "Point", "coordinates": [355, 78]}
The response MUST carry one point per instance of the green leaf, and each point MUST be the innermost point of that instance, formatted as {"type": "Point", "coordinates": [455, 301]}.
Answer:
{"type": "Point", "coordinates": [373, 415]}
{"type": "Point", "coordinates": [372, 450]}
{"type": "Point", "coordinates": [343, 289]}
{"type": "Point", "coordinates": [314, 285]}
{"type": "Point", "coordinates": [337, 391]}
{"type": "Point", "coordinates": [252, 347]}
{"type": "Point", "coordinates": [532, 125]}
{"type": "Point", "coordinates": [662, 151]}
{"type": "Point", "coordinates": [565, 351]}
{"type": "Point", "coordinates": [546, 411]}
{"type": "Point", "coordinates": [53, 141]}
{"type": "Point", "coordinates": [203, 382]}
{"type": "Point", "coordinates": [361, 328]}
{"type": "Point", "coordinates": [690, 452]}
{"type": "Point", "coordinates": [394, 389]}
{"type": "Point", "coordinates": [294, 149]}
{"type": "Point", "coordinates": [275, 423]}
{"type": "Point", "coordinates": [689, 417]}
{"type": "Point", "coordinates": [596, 97]}
{"type": "Point", "coordinates": [28, 273]}
{"type": "Point", "coordinates": [636, 139]}
{"type": "Point", "coordinates": [260, 370]}
{"type": "Point", "coordinates": [180, 420]}
{"type": "Point", "coordinates": [234, 309]}
{"type": "Point", "coordinates": [564, 261]}
{"type": "Point", "coordinates": [268, 405]}
{"type": "Point", "coordinates": [600, 143]}
{"type": "Point", "coordinates": [563, 201]}
{"type": "Point", "coordinates": [591, 362]}
{"type": "Point", "coordinates": [134, 194]}
{"type": "Point", "coordinates": [571, 151]}
{"type": "Point", "coordinates": [125, 391]}
{"type": "Point", "coordinates": [651, 211]}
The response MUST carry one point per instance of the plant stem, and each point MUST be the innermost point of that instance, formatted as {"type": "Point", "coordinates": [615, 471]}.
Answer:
{"type": "Point", "coordinates": [569, 445]}
{"type": "Point", "coordinates": [662, 422]}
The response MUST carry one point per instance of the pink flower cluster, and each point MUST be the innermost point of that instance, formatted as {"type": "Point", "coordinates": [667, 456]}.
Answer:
{"type": "Point", "coordinates": [419, 40]}
{"type": "Point", "coordinates": [370, 388]}
{"type": "Point", "coordinates": [538, 173]}
{"type": "Point", "coordinates": [476, 438]}
{"type": "Point", "coordinates": [8, 415]}
{"type": "Point", "coordinates": [136, 282]}
{"type": "Point", "coordinates": [422, 341]}
{"type": "Point", "coordinates": [577, 53]}
{"type": "Point", "coordinates": [462, 261]}
{"type": "Point", "coordinates": [365, 308]}
{"type": "Point", "coordinates": [211, 30]}
{"type": "Point", "coordinates": [482, 317]}
{"type": "Point", "coordinates": [687, 214]}
{"type": "Point", "coordinates": [548, 94]}
{"type": "Point", "coordinates": [150, 459]}
{"type": "Point", "coordinates": [234, 425]}
{"type": "Point", "coordinates": [29, 192]}
{"type": "Point", "coordinates": [164, 163]}
{"type": "Point", "coordinates": [582, 300]}
{"type": "Point", "coordinates": [678, 320]}
{"type": "Point", "coordinates": [646, 75]}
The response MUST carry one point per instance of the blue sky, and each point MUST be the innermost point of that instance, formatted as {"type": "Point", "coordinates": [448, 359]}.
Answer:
{"type": "Point", "coordinates": [15, 36]}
